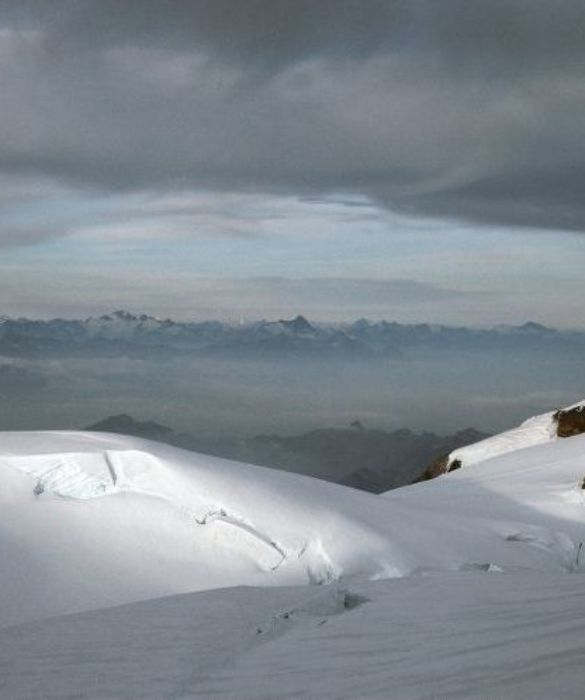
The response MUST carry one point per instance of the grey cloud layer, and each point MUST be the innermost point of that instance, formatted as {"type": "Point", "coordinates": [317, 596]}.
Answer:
{"type": "Point", "coordinates": [203, 298]}
{"type": "Point", "coordinates": [451, 109]}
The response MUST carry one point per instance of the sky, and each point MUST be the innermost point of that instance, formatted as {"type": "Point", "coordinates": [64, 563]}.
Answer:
{"type": "Point", "coordinates": [416, 161]}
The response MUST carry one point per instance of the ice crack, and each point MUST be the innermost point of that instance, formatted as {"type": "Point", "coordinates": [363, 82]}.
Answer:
{"type": "Point", "coordinates": [239, 522]}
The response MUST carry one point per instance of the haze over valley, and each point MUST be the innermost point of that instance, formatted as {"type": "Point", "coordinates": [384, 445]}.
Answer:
{"type": "Point", "coordinates": [223, 384]}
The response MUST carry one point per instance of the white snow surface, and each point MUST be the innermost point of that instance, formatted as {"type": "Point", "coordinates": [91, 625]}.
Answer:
{"type": "Point", "coordinates": [469, 585]}
{"type": "Point", "coordinates": [534, 431]}
{"type": "Point", "coordinates": [89, 520]}
{"type": "Point", "coordinates": [459, 635]}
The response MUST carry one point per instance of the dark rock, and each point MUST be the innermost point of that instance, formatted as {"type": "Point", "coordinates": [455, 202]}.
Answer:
{"type": "Point", "coordinates": [442, 465]}
{"type": "Point", "coordinates": [570, 421]}
{"type": "Point", "coordinates": [436, 468]}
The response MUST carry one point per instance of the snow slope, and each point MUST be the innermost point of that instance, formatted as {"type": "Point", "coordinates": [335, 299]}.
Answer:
{"type": "Point", "coordinates": [436, 635]}
{"type": "Point", "coordinates": [102, 520]}
{"type": "Point", "coordinates": [468, 585]}
{"type": "Point", "coordinates": [89, 520]}
{"type": "Point", "coordinates": [534, 431]}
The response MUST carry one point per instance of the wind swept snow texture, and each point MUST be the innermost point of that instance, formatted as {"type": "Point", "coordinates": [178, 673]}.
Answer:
{"type": "Point", "coordinates": [441, 635]}
{"type": "Point", "coordinates": [467, 586]}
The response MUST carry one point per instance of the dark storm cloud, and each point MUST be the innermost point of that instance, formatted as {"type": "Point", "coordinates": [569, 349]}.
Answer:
{"type": "Point", "coordinates": [279, 32]}
{"type": "Point", "coordinates": [270, 32]}
{"type": "Point", "coordinates": [452, 109]}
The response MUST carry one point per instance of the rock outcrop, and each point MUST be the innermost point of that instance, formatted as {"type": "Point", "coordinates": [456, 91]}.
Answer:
{"type": "Point", "coordinates": [441, 465]}
{"type": "Point", "coordinates": [570, 421]}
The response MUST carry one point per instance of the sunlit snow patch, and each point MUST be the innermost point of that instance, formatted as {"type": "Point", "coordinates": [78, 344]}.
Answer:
{"type": "Point", "coordinates": [78, 476]}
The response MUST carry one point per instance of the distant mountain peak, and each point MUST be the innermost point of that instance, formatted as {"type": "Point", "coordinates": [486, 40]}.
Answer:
{"type": "Point", "coordinates": [125, 424]}
{"type": "Point", "coordinates": [533, 327]}
{"type": "Point", "coordinates": [123, 315]}
{"type": "Point", "coordinates": [298, 324]}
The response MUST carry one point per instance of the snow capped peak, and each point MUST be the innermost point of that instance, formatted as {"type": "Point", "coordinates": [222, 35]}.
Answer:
{"type": "Point", "coordinates": [121, 325]}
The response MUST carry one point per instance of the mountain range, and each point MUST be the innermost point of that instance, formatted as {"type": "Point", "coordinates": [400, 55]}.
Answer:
{"type": "Point", "coordinates": [371, 460]}
{"type": "Point", "coordinates": [124, 334]}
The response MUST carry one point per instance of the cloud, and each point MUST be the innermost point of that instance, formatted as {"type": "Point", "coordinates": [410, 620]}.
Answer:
{"type": "Point", "coordinates": [347, 292]}
{"type": "Point", "coordinates": [279, 33]}
{"type": "Point", "coordinates": [33, 214]}
{"type": "Point", "coordinates": [448, 110]}
{"type": "Point", "coordinates": [184, 296]}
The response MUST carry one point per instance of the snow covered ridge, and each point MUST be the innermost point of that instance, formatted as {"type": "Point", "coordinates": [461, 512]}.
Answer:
{"type": "Point", "coordinates": [547, 427]}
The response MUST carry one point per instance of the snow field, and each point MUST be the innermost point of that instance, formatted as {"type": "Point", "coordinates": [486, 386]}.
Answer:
{"type": "Point", "coordinates": [237, 581]}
